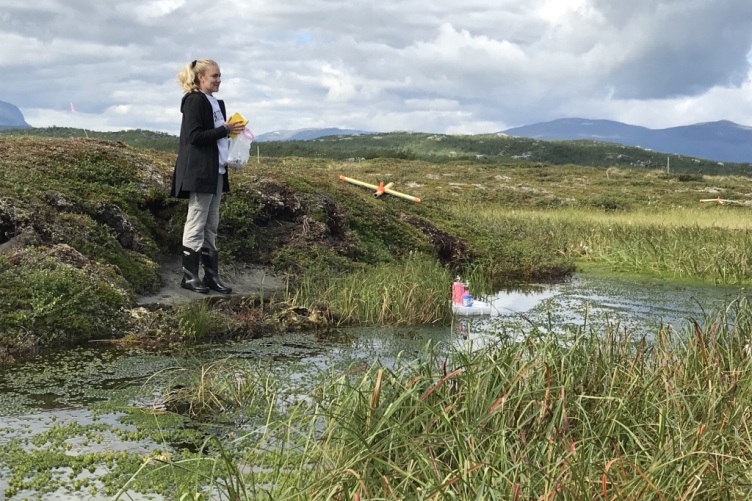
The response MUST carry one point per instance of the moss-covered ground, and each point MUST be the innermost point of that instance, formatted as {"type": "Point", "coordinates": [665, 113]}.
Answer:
{"type": "Point", "coordinates": [85, 224]}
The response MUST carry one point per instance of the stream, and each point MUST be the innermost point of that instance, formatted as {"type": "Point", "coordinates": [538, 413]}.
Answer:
{"type": "Point", "coordinates": [59, 390]}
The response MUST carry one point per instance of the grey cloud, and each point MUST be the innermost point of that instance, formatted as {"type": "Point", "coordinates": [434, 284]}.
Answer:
{"type": "Point", "coordinates": [432, 66]}
{"type": "Point", "coordinates": [679, 48]}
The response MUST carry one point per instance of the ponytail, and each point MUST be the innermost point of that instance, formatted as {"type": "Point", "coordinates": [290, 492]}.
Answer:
{"type": "Point", "coordinates": [188, 76]}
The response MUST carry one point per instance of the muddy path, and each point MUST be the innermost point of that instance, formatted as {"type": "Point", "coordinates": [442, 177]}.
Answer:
{"type": "Point", "coordinates": [245, 280]}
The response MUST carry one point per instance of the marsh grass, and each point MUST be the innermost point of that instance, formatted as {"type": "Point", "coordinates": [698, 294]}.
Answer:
{"type": "Point", "coordinates": [587, 415]}
{"type": "Point", "coordinates": [225, 386]}
{"type": "Point", "coordinates": [522, 218]}
{"type": "Point", "coordinates": [412, 291]}
{"type": "Point", "coordinates": [688, 244]}
{"type": "Point", "coordinates": [195, 320]}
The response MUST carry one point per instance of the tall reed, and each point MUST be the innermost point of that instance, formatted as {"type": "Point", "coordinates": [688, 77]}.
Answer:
{"type": "Point", "coordinates": [581, 417]}
{"type": "Point", "coordinates": [588, 414]}
{"type": "Point", "coordinates": [413, 291]}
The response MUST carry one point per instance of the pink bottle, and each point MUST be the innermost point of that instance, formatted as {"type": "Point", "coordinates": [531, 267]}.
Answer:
{"type": "Point", "coordinates": [458, 289]}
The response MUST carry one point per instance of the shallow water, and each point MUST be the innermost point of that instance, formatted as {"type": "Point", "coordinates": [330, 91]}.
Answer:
{"type": "Point", "coordinates": [639, 307]}
{"type": "Point", "coordinates": [60, 388]}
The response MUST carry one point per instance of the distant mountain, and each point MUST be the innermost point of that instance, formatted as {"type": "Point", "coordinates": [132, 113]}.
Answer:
{"type": "Point", "coordinates": [305, 134]}
{"type": "Point", "coordinates": [11, 117]}
{"type": "Point", "coordinates": [723, 141]}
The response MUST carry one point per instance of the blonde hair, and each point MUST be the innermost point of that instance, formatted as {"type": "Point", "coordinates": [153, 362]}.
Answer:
{"type": "Point", "coordinates": [188, 76]}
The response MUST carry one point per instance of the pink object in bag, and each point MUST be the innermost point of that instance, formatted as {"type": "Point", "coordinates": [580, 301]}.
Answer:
{"type": "Point", "coordinates": [458, 289]}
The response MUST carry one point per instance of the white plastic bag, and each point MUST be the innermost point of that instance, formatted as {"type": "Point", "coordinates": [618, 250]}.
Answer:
{"type": "Point", "coordinates": [240, 149]}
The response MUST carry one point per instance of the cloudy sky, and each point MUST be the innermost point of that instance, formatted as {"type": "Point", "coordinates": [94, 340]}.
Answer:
{"type": "Point", "coordinates": [446, 66]}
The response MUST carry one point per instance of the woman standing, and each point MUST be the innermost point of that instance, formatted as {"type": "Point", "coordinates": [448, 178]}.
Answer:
{"type": "Point", "coordinates": [201, 171]}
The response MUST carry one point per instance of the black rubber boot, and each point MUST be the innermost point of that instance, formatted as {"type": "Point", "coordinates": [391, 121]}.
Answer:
{"type": "Point", "coordinates": [210, 258]}
{"type": "Point", "coordinates": [190, 272]}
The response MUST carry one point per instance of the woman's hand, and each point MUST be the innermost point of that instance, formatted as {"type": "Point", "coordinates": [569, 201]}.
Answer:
{"type": "Point", "coordinates": [235, 127]}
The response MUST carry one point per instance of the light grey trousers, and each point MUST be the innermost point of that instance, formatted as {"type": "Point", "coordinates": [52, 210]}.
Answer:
{"type": "Point", "coordinates": [201, 224]}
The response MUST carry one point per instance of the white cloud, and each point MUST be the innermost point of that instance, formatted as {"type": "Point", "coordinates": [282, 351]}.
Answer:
{"type": "Point", "coordinates": [149, 11]}
{"type": "Point", "coordinates": [558, 11]}
{"type": "Point", "coordinates": [465, 67]}
{"type": "Point", "coordinates": [339, 85]}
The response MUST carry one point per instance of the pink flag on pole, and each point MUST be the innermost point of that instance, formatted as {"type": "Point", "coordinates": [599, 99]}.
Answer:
{"type": "Point", "coordinates": [72, 108]}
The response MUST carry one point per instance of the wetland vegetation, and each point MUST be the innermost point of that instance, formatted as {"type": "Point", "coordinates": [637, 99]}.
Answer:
{"type": "Point", "coordinates": [584, 414]}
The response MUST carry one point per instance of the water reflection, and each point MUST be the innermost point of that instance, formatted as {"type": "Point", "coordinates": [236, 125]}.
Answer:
{"type": "Point", "coordinates": [520, 300]}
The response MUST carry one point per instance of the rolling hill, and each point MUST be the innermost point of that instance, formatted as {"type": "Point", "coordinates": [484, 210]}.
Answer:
{"type": "Point", "coordinates": [305, 134]}
{"type": "Point", "coordinates": [499, 148]}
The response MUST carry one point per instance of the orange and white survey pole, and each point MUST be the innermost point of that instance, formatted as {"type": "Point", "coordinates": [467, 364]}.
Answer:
{"type": "Point", "coordinates": [380, 189]}
{"type": "Point", "coordinates": [721, 201]}
{"type": "Point", "coordinates": [401, 195]}
{"type": "Point", "coordinates": [359, 183]}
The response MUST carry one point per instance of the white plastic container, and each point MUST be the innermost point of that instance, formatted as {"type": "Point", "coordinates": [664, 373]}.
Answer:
{"type": "Point", "coordinates": [477, 308]}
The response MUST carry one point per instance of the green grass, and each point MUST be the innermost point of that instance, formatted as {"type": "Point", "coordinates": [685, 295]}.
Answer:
{"type": "Point", "coordinates": [137, 137]}
{"type": "Point", "coordinates": [589, 414]}
{"type": "Point", "coordinates": [691, 244]}
{"type": "Point", "coordinates": [413, 291]}
{"type": "Point", "coordinates": [494, 224]}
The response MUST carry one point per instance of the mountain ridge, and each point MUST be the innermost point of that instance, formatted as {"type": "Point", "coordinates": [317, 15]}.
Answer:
{"type": "Point", "coordinates": [11, 117]}
{"type": "Point", "coordinates": [721, 140]}
{"type": "Point", "coordinates": [307, 134]}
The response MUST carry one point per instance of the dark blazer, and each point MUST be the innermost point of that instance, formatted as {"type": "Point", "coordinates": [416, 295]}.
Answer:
{"type": "Point", "coordinates": [197, 165]}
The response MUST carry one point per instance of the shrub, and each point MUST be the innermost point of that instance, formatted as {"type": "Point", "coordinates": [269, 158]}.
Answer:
{"type": "Point", "coordinates": [44, 301]}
